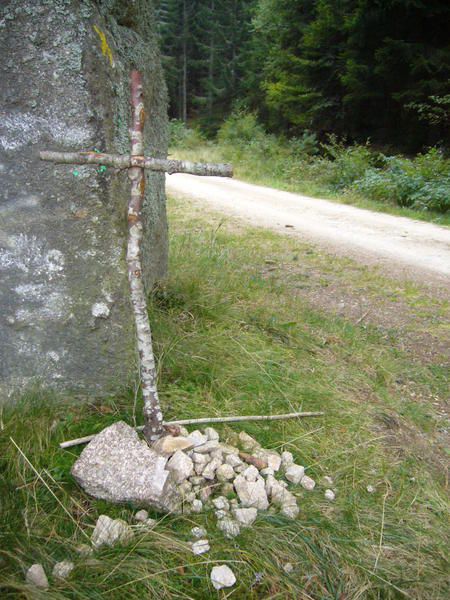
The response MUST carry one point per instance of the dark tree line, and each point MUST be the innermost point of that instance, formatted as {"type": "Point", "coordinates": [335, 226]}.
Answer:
{"type": "Point", "coordinates": [377, 69]}
{"type": "Point", "coordinates": [202, 42]}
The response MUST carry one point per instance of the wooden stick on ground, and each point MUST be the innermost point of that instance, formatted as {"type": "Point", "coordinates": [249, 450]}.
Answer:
{"type": "Point", "coordinates": [297, 415]}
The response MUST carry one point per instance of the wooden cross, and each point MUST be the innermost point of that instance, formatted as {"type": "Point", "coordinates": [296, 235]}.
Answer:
{"type": "Point", "coordinates": [136, 163]}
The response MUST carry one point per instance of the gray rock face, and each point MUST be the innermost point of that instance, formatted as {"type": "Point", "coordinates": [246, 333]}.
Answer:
{"type": "Point", "coordinates": [64, 305]}
{"type": "Point", "coordinates": [119, 467]}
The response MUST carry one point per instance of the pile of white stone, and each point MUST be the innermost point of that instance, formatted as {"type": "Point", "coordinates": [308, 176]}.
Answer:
{"type": "Point", "coordinates": [208, 472]}
{"type": "Point", "coordinates": [190, 472]}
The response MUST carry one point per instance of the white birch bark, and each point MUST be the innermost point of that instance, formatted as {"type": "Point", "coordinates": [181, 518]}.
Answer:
{"type": "Point", "coordinates": [152, 409]}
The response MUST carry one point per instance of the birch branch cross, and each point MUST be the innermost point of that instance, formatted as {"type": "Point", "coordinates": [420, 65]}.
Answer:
{"type": "Point", "coordinates": [136, 163]}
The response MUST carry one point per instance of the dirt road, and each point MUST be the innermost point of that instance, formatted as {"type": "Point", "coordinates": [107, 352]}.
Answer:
{"type": "Point", "coordinates": [399, 245]}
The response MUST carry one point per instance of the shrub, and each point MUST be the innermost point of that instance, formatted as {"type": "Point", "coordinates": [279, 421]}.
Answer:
{"type": "Point", "coordinates": [342, 165]}
{"type": "Point", "coordinates": [304, 146]}
{"type": "Point", "coordinates": [241, 128]}
{"type": "Point", "coordinates": [422, 183]}
{"type": "Point", "coordinates": [182, 136]}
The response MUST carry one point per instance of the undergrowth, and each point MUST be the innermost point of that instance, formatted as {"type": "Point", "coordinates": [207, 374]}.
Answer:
{"type": "Point", "coordinates": [355, 174]}
{"type": "Point", "coordinates": [232, 339]}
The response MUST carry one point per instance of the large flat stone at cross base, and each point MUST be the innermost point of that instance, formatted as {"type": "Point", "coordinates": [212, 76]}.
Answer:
{"type": "Point", "coordinates": [120, 467]}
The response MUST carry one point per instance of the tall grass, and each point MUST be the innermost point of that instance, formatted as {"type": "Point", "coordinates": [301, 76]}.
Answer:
{"type": "Point", "coordinates": [233, 338]}
{"type": "Point", "coordinates": [351, 173]}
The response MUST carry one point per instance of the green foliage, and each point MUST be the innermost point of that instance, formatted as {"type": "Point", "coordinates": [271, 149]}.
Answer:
{"type": "Point", "coordinates": [422, 183]}
{"type": "Point", "coordinates": [182, 136]}
{"type": "Point", "coordinates": [241, 128]}
{"type": "Point", "coordinates": [342, 164]}
{"type": "Point", "coordinates": [354, 68]}
{"type": "Point", "coordinates": [354, 171]}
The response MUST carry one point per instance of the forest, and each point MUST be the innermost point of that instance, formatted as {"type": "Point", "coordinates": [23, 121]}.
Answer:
{"type": "Point", "coordinates": [359, 69]}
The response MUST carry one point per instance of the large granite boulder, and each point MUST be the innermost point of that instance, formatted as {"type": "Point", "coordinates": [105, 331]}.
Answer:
{"type": "Point", "coordinates": [119, 467]}
{"type": "Point", "coordinates": [64, 85]}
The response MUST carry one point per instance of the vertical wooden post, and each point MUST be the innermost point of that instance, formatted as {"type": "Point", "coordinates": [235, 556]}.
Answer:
{"type": "Point", "coordinates": [152, 410]}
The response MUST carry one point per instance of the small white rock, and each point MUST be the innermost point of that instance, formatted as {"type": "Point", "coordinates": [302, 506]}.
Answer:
{"type": "Point", "coordinates": [197, 480]}
{"type": "Point", "coordinates": [197, 438]}
{"type": "Point", "coordinates": [248, 444]}
{"type": "Point", "coordinates": [63, 569]}
{"type": "Point", "coordinates": [189, 497]}
{"type": "Point", "coordinates": [251, 493]}
{"type": "Point", "coordinates": [290, 510]}
{"type": "Point", "coordinates": [207, 447]}
{"type": "Point", "coordinates": [169, 444]}
{"type": "Point", "coordinates": [307, 483]}
{"type": "Point", "coordinates": [109, 531]}
{"type": "Point", "coordinates": [205, 493]}
{"type": "Point", "coordinates": [288, 568]}
{"type": "Point", "coordinates": [200, 547]}
{"type": "Point", "coordinates": [181, 466]}
{"type": "Point", "coordinates": [370, 489]}
{"type": "Point", "coordinates": [245, 516]}
{"type": "Point", "coordinates": [36, 576]}
{"type": "Point", "coordinates": [224, 473]}
{"type": "Point", "coordinates": [198, 532]}
{"type": "Point", "coordinates": [272, 458]}
{"type": "Point", "coordinates": [200, 459]}
{"type": "Point", "coordinates": [251, 473]}
{"type": "Point", "coordinates": [209, 472]}
{"type": "Point", "coordinates": [229, 527]}
{"type": "Point", "coordinates": [227, 489]}
{"type": "Point", "coordinates": [227, 449]}
{"type": "Point", "coordinates": [141, 515]}
{"type": "Point", "coordinates": [267, 471]}
{"type": "Point", "coordinates": [197, 506]}
{"type": "Point", "coordinates": [217, 453]}
{"type": "Point", "coordinates": [147, 524]}
{"type": "Point", "coordinates": [330, 495]}
{"type": "Point", "coordinates": [295, 473]}
{"type": "Point", "coordinates": [185, 487]}
{"type": "Point", "coordinates": [221, 503]}
{"type": "Point", "coordinates": [327, 480]}
{"type": "Point", "coordinates": [222, 577]}
{"type": "Point", "coordinates": [221, 514]}
{"type": "Point", "coordinates": [211, 433]}
{"type": "Point", "coordinates": [286, 459]}
{"type": "Point", "coordinates": [233, 460]}
{"type": "Point", "coordinates": [199, 468]}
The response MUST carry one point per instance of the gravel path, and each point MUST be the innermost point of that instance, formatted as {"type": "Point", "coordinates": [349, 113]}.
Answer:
{"type": "Point", "coordinates": [399, 245]}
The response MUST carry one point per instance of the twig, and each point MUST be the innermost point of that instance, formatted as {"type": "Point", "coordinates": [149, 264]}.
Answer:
{"type": "Point", "coordinates": [380, 544]}
{"type": "Point", "coordinates": [88, 438]}
{"type": "Point", "coordinates": [125, 161]}
{"type": "Point", "coordinates": [152, 409]}
{"type": "Point", "coordinates": [362, 317]}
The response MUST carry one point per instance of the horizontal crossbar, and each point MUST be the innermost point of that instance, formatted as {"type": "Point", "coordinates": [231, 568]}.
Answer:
{"type": "Point", "coordinates": [125, 161]}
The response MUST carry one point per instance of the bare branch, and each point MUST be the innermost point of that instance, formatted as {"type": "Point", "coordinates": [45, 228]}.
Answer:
{"type": "Point", "coordinates": [298, 415]}
{"type": "Point", "coordinates": [125, 161]}
{"type": "Point", "coordinates": [152, 409]}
